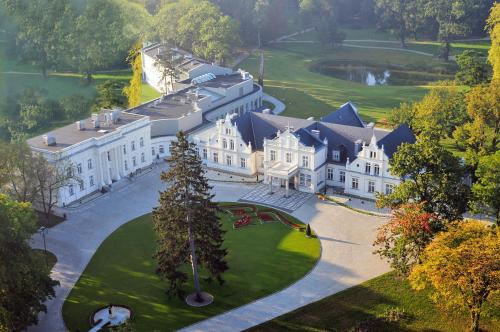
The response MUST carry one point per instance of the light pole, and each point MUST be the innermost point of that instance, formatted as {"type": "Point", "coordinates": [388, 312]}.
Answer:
{"type": "Point", "coordinates": [43, 230]}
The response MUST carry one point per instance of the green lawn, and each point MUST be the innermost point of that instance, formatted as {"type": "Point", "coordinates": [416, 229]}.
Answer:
{"type": "Point", "coordinates": [288, 74]}
{"type": "Point", "coordinates": [263, 258]}
{"type": "Point", "coordinates": [343, 311]}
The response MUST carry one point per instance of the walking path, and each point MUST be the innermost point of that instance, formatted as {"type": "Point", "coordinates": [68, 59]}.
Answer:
{"type": "Point", "coordinates": [345, 236]}
{"type": "Point", "coordinates": [279, 106]}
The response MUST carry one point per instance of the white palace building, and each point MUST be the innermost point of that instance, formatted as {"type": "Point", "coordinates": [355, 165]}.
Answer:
{"type": "Point", "coordinates": [222, 112]}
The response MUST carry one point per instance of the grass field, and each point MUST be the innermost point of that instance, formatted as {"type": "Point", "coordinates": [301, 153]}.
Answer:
{"type": "Point", "coordinates": [263, 258]}
{"type": "Point", "coordinates": [306, 93]}
{"type": "Point", "coordinates": [367, 301]}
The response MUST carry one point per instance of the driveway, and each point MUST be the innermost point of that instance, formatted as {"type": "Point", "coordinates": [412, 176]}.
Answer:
{"type": "Point", "coordinates": [345, 236]}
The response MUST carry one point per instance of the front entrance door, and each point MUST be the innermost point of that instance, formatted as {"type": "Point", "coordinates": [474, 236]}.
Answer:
{"type": "Point", "coordinates": [291, 182]}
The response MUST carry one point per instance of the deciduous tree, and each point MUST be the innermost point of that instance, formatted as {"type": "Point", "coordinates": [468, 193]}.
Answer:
{"type": "Point", "coordinates": [473, 69]}
{"type": "Point", "coordinates": [461, 267]}
{"type": "Point", "coordinates": [405, 236]}
{"type": "Point", "coordinates": [486, 189]}
{"type": "Point", "coordinates": [25, 283]}
{"type": "Point", "coordinates": [186, 222]}
{"type": "Point", "coordinates": [134, 90]}
{"type": "Point", "coordinates": [493, 26]}
{"type": "Point", "coordinates": [431, 175]}
{"type": "Point", "coordinates": [401, 13]}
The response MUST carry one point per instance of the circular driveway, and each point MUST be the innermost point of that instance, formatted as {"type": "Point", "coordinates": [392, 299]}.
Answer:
{"type": "Point", "coordinates": [346, 258]}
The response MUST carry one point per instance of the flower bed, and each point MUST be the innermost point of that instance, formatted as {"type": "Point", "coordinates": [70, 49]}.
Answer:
{"type": "Point", "coordinates": [288, 222]}
{"type": "Point", "coordinates": [263, 216]}
{"type": "Point", "coordinates": [244, 221]}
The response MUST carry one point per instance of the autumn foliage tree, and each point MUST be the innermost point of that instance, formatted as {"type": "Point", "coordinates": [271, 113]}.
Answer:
{"type": "Point", "coordinates": [405, 236]}
{"type": "Point", "coordinates": [134, 90]}
{"type": "Point", "coordinates": [461, 267]}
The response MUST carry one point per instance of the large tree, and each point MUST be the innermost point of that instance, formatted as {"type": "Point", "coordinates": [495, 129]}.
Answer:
{"type": "Point", "coordinates": [403, 238]}
{"type": "Point", "coordinates": [473, 69]}
{"type": "Point", "coordinates": [486, 190]}
{"type": "Point", "coordinates": [449, 16]}
{"type": "Point", "coordinates": [25, 283]}
{"type": "Point", "coordinates": [98, 37]}
{"type": "Point", "coordinates": [431, 175]}
{"type": "Point", "coordinates": [461, 267]}
{"type": "Point", "coordinates": [43, 30]}
{"type": "Point", "coordinates": [493, 26]}
{"type": "Point", "coordinates": [186, 222]}
{"type": "Point", "coordinates": [167, 63]}
{"type": "Point", "coordinates": [134, 90]}
{"type": "Point", "coordinates": [480, 136]}
{"type": "Point", "coordinates": [400, 13]}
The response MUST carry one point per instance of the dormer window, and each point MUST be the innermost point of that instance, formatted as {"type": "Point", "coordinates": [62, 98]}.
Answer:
{"type": "Point", "coordinates": [336, 155]}
{"type": "Point", "coordinates": [373, 154]}
{"type": "Point", "coordinates": [228, 131]}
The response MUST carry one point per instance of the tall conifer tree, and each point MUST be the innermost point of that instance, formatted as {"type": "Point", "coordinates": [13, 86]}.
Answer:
{"type": "Point", "coordinates": [186, 222]}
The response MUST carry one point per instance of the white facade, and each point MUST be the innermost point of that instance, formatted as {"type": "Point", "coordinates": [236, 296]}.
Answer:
{"type": "Point", "coordinates": [100, 161]}
{"type": "Point", "coordinates": [285, 161]}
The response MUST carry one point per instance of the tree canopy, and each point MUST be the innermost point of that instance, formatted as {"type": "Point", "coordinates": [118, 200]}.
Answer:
{"type": "Point", "coordinates": [25, 283]}
{"type": "Point", "coordinates": [461, 267]}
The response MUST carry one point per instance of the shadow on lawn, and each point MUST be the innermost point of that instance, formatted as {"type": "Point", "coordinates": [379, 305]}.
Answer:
{"type": "Point", "coordinates": [340, 314]}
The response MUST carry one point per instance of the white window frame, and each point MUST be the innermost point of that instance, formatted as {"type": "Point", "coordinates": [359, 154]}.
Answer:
{"type": "Point", "coordinates": [371, 187]}
{"type": "Point", "coordinates": [329, 174]}
{"type": "Point", "coordinates": [355, 183]}
{"type": "Point", "coordinates": [272, 155]}
{"type": "Point", "coordinates": [342, 176]}
{"type": "Point", "coordinates": [305, 161]}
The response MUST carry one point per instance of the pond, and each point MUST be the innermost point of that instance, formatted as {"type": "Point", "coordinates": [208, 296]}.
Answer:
{"type": "Point", "coordinates": [372, 75]}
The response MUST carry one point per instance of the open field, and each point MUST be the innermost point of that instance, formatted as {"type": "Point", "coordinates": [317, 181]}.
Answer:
{"type": "Point", "coordinates": [263, 258]}
{"type": "Point", "coordinates": [367, 301]}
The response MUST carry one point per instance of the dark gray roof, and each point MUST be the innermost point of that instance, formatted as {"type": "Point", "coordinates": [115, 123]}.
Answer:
{"type": "Point", "coordinates": [254, 127]}
{"type": "Point", "coordinates": [393, 140]}
{"type": "Point", "coordinates": [345, 115]}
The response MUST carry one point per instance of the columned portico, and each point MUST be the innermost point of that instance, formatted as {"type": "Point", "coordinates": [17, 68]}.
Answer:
{"type": "Point", "coordinates": [281, 171]}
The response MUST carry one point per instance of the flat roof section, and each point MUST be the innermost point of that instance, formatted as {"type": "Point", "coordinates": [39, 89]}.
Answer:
{"type": "Point", "coordinates": [169, 107]}
{"type": "Point", "coordinates": [70, 135]}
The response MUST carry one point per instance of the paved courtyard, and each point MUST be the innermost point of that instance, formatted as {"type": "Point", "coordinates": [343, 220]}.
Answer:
{"type": "Point", "coordinates": [346, 258]}
{"type": "Point", "coordinates": [260, 195]}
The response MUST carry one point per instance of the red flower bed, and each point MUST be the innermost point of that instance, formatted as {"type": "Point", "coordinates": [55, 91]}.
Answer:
{"type": "Point", "coordinates": [287, 222]}
{"type": "Point", "coordinates": [244, 221]}
{"type": "Point", "coordinates": [265, 217]}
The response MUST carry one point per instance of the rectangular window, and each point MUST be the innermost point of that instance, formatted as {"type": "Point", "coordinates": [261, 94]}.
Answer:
{"type": "Point", "coordinates": [71, 190]}
{"type": "Point", "coordinates": [134, 161]}
{"type": "Point", "coordinates": [305, 180]}
{"type": "Point", "coordinates": [205, 153]}
{"type": "Point", "coordinates": [228, 131]}
{"type": "Point", "coordinates": [108, 154]}
{"type": "Point", "coordinates": [368, 168]}
{"type": "Point", "coordinates": [125, 164]}
{"type": "Point", "coordinates": [231, 144]}
{"type": "Point", "coordinates": [243, 163]}
{"type": "Point", "coordinates": [288, 157]}
{"type": "Point", "coordinates": [389, 188]}
{"type": "Point", "coordinates": [376, 169]}
{"type": "Point", "coordinates": [329, 173]}
{"type": "Point", "coordinates": [91, 181]}
{"type": "Point", "coordinates": [336, 155]}
{"type": "Point", "coordinates": [124, 149]}
{"type": "Point", "coordinates": [373, 154]}
{"type": "Point", "coordinates": [355, 183]}
{"type": "Point", "coordinates": [229, 160]}
{"type": "Point", "coordinates": [153, 152]}
{"type": "Point", "coordinates": [79, 168]}
{"type": "Point", "coordinates": [143, 158]}
{"type": "Point", "coordinates": [371, 186]}
{"type": "Point", "coordinates": [224, 143]}
{"type": "Point", "coordinates": [89, 164]}
{"type": "Point", "coordinates": [216, 157]}
{"type": "Point", "coordinates": [132, 144]}
{"type": "Point", "coordinates": [162, 149]}
{"type": "Point", "coordinates": [141, 142]}
{"type": "Point", "coordinates": [273, 155]}
{"type": "Point", "coordinates": [342, 176]}
{"type": "Point", "coordinates": [82, 186]}
{"type": "Point", "coordinates": [305, 161]}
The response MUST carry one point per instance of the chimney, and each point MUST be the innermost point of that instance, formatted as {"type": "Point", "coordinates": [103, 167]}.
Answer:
{"type": "Point", "coordinates": [311, 118]}
{"type": "Point", "coordinates": [315, 133]}
{"type": "Point", "coordinates": [80, 125]}
{"type": "Point", "coordinates": [266, 111]}
{"type": "Point", "coordinates": [49, 140]}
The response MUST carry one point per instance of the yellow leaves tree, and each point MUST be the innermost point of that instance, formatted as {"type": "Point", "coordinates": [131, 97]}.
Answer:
{"type": "Point", "coordinates": [461, 267]}
{"type": "Point", "coordinates": [134, 90]}
{"type": "Point", "coordinates": [493, 26]}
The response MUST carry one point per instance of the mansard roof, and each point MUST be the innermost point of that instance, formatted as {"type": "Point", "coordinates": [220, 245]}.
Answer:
{"type": "Point", "coordinates": [254, 127]}
{"type": "Point", "coordinates": [347, 115]}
